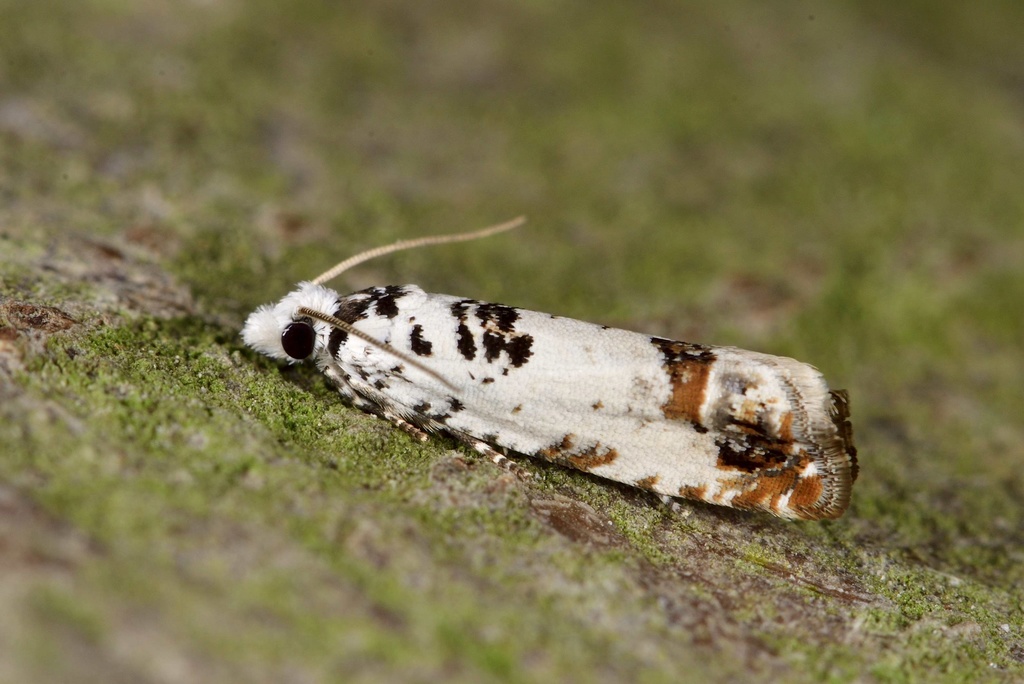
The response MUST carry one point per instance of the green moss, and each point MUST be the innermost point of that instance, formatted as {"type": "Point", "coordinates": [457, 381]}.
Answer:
{"type": "Point", "coordinates": [65, 611]}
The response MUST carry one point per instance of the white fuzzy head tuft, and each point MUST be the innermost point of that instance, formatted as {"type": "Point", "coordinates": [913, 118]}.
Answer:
{"type": "Point", "coordinates": [264, 326]}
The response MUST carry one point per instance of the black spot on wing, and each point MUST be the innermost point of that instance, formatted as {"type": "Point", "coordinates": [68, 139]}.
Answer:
{"type": "Point", "coordinates": [460, 308]}
{"type": "Point", "coordinates": [455, 405]}
{"type": "Point", "coordinates": [493, 344]}
{"type": "Point", "coordinates": [385, 300]}
{"type": "Point", "coordinates": [501, 316]}
{"type": "Point", "coordinates": [353, 307]}
{"type": "Point", "coordinates": [357, 306]}
{"type": "Point", "coordinates": [465, 343]}
{"type": "Point", "coordinates": [417, 344]}
{"type": "Point", "coordinates": [751, 453]}
{"type": "Point", "coordinates": [350, 309]}
{"type": "Point", "coordinates": [338, 336]}
{"type": "Point", "coordinates": [518, 347]}
{"type": "Point", "coordinates": [677, 352]}
{"type": "Point", "coordinates": [499, 333]}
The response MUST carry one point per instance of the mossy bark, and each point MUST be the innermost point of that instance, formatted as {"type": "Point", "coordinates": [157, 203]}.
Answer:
{"type": "Point", "coordinates": [840, 184]}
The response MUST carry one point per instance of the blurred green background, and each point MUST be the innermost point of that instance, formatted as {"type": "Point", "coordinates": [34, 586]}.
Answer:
{"type": "Point", "coordinates": [836, 182]}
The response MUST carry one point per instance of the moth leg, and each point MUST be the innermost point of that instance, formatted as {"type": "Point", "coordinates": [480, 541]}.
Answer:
{"type": "Point", "coordinates": [497, 458]}
{"type": "Point", "coordinates": [407, 427]}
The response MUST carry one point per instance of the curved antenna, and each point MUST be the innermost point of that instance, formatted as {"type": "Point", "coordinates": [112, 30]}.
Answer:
{"type": "Point", "coordinates": [411, 244]}
{"type": "Point", "coordinates": [369, 339]}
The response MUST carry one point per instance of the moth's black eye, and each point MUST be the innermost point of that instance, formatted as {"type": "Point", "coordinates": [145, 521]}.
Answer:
{"type": "Point", "coordinates": [297, 339]}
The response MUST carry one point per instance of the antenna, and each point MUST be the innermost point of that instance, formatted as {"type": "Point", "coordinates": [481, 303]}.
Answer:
{"type": "Point", "coordinates": [412, 244]}
{"type": "Point", "coordinates": [388, 249]}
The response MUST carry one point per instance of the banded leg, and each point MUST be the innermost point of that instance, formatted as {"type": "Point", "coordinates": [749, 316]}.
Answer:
{"type": "Point", "coordinates": [413, 431]}
{"type": "Point", "coordinates": [497, 458]}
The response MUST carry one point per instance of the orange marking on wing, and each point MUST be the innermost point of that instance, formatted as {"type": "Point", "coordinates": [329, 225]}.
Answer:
{"type": "Point", "coordinates": [689, 378]}
{"type": "Point", "coordinates": [699, 492]}
{"type": "Point", "coordinates": [647, 482]}
{"type": "Point", "coordinates": [566, 453]}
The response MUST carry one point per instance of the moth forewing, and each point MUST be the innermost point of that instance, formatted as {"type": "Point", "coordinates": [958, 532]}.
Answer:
{"type": "Point", "coordinates": [718, 424]}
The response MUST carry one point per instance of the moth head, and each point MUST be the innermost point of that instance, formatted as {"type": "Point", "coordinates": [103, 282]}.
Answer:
{"type": "Point", "coordinates": [281, 332]}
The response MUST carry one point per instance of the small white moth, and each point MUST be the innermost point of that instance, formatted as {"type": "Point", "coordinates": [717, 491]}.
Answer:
{"type": "Point", "coordinates": [718, 424]}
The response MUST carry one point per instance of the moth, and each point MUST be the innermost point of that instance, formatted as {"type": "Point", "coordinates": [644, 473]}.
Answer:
{"type": "Point", "coordinates": [718, 424]}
